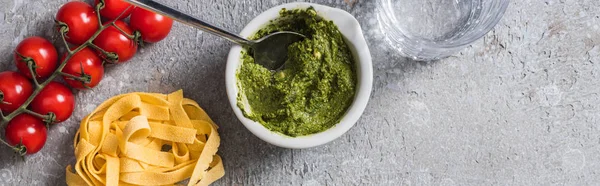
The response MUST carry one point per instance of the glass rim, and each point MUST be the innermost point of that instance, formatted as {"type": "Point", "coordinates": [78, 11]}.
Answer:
{"type": "Point", "coordinates": [434, 45]}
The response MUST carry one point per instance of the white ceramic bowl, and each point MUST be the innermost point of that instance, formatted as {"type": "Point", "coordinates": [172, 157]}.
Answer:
{"type": "Point", "coordinates": [351, 30]}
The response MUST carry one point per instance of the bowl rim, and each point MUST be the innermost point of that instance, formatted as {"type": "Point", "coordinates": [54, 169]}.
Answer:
{"type": "Point", "coordinates": [364, 70]}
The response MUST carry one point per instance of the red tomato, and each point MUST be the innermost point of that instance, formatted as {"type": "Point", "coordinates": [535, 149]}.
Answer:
{"type": "Point", "coordinates": [81, 19]}
{"type": "Point", "coordinates": [112, 40]}
{"type": "Point", "coordinates": [27, 130]}
{"type": "Point", "coordinates": [153, 27]}
{"type": "Point", "coordinates": [113, 8]}
{"type": "Point", "coordinates": [91, 64]}
{"type": "Point", "coordinates": [56, 98]}
{"type": "Point", "coordinates": [43, 54]}
{"type": "Point", "coordinates": [15, 89]}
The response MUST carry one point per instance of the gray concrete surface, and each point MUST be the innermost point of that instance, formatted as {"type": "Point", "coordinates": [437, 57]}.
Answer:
{"type": "Point", "coordinates": [518, 107]}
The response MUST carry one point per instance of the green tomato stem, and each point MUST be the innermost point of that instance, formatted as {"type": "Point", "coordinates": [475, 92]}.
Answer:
{"type": "Point", "coordinates": [31, 67]}
{"type": "Point", "coordinates": [123, 13]}
{"type": "Point", "coordinates": [38, 115]}
{"type": "Point", "coordinates": [110, 56]}
{"type": "Point", "coordinates": [123, 31]}
{"type": "Point", "coordinates": [6, 143]}
{"type": "Point", "coordinates": [99, 6]}
{"type": "Point", "coordinates": [84, 78]}
{"type": "Point", "coordinates": [64, 28]}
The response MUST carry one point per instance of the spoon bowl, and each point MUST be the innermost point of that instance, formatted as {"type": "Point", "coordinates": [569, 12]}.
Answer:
{"type": "Point", "coordinates": [271, 50]}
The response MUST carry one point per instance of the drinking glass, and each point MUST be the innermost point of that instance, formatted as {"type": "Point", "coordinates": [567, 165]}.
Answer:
{"type": "Point", "coordinates": [433, 29]}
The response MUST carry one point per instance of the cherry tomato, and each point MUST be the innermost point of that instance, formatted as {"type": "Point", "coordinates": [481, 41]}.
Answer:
{"type": "Point", "coordinates": [153, 27]}
{"type": "Point", "coordinates": [43, 54]}
{"type": "Point", "coordinates": [91, 64]}
{"type": "Point", "coordinates": [81, 19]}
{"type": "Point", "coordinates": [56, 98]}
{"type": "Point", "coordinates": [27, 130]}
{"type": "Point", "coordinates": [113, 8]}
{"type": "Point", "coordinates": [15, 89]}
{"type": "Point", "coordinates": [112, 40]}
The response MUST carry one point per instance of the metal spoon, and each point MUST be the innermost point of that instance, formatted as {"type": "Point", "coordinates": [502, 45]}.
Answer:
{"type": "Point", "coordinates": [269, 51]}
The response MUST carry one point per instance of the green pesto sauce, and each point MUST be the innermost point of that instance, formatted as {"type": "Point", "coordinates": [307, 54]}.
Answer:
{"type": "Point", "coordinates": [314, 89]}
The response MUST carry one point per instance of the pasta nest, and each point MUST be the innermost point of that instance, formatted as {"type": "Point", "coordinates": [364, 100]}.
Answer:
{"type": "Point", "coordinates": [146, 139]}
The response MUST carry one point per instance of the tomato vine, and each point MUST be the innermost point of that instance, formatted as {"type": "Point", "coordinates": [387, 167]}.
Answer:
{"type": "Point", "coordinates": [84, 78]}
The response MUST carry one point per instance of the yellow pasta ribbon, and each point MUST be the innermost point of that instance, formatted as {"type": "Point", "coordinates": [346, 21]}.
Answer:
{"type": "Point", "coordinates": [146, 139]}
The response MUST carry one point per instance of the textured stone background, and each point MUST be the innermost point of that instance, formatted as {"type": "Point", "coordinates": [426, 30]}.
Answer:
{"type": "Point", "coordinates": [518, 107]}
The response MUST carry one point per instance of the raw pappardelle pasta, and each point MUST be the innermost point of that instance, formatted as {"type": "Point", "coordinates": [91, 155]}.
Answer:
{"type": "Point", "coordinates": [146, 139]}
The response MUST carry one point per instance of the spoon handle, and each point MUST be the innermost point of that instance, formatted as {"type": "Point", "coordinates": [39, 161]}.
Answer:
{"type": "Point", "coordinates": [189, 20]}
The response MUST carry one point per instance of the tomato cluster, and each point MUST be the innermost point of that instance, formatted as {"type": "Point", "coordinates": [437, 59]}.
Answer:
{"type": "Point", "coordinates": [28, 106]}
